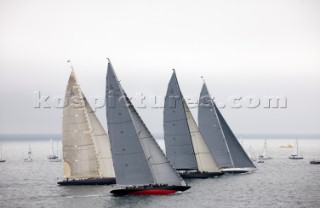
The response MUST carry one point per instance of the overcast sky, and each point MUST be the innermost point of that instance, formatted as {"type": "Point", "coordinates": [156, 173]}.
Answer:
{"type": "Point", "coordinates": [242, 48]}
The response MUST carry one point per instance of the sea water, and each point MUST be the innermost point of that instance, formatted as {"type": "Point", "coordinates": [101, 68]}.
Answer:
{"type": "Point", "coordinates": [279, 182]}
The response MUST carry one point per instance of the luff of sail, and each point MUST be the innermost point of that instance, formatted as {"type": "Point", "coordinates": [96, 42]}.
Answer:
{"type": "Point", "coordinates": [80, 130]}
{"type": "Point", "coordinates": [221, 141]}
{"type": "Point", "coordinates": [177, 136]}
{"type": "Point", "coordinates": [137, 157]}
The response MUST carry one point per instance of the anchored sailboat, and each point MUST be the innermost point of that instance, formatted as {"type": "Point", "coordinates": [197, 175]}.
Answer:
{"type": "Point", "coordinates": [185, 146]}
{"type": "Point", "coordinates": [252, 154]}
{"type": "Point", "coordinates": [1, 160]}
{"type": "Point", "coordinates": [52, 155]}
{"type": "Point", "coordinates": [57, 156]}
{"type": "Point", "coordinates": [86, 146]}
{"type": "Point", "coordinates": [297, 155]}
{"type": "Point", "coordinates": [222, 143]}
{"type": "Point", "coordinates": [264, 155]}
{"type": "Point", "coordinates": [29, 158]}
{"type": "Point", "coordinates": [140, 165]}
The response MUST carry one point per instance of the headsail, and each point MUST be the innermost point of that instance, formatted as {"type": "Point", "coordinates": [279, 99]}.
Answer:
{"type": "Point", "coordinates": [137, 157]}
{"type": "Point", "coordinates": [80, 130]}
{"type": "Point", "coordinates": [177, 136]}
{"type": "Point", "coordinates": [221, 141]}
{"type": "Point", "coordinates": [205, 160]}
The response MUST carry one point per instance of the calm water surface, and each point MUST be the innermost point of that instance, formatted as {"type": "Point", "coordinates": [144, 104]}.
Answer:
{"type": "Point", "coordinates": [279, 182]}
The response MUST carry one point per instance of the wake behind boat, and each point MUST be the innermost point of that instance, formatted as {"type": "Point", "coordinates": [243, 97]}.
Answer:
{"type": "Point", "coordinates": [139, 163]}
{"type": "Point", "coordinates": [185, 146]}
{"type": "Point", "coordinates": [86, 146]}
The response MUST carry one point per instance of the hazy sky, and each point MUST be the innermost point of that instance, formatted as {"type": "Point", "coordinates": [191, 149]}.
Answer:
{"type": "Point", "coordinates": [242, 48]}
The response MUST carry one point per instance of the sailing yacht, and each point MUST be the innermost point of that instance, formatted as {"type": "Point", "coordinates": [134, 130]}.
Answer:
{"type": "Point", "coordinates": [56, 158]}
{"type": "Point", "coordinates": [264, 155]}
{"type": "Point", "coordinates": [222, 143]}
{"type": "Point", "coordinates": [297, 155]}
{"type": "Point", "coordinates": [1, 160]}
{"type": "Point", "coordinates": [315, 162]}
{"type": "Point", "coordinates": [252, 154]}
{"type": "Point", "coordinates": [140, 165]}
{"type": "Point", "coordinates": [185, 146]}
{"type": "Point", "coordinates": [52, 155]}
{"type": "Point", "coordinates": [29, 158]}
{"type": "Point", "coordinates": [87, 158]}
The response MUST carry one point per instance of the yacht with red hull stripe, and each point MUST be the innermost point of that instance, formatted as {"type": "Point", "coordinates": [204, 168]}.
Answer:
{"type": "Point", "coordinates": [149, 190]}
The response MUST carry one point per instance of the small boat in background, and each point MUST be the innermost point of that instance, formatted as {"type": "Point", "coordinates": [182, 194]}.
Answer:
{"type": "Point", "coordinates": [29, 158]}
{"type": "Point", "coordinates": [297, 155]}
{"type": "Point", "coordinates": [1, 160]}
{"type": "Point", "coordinates": [252, 155]}
{"type": "Point", "coordinates": [315, 162]}
{"type": "Point", "coordinates": [264, 155]}
{"type": "Point", "coordinates": [52, 155]}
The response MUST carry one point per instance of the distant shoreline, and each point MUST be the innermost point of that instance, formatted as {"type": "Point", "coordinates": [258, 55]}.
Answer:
{"type": "Point", "coordinates": [44, 137]}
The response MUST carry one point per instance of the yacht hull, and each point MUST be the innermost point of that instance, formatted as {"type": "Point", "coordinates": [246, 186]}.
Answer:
{"type": "Point", "coordinates": [91, 181]}
{"type": "Point", "coordinates": [238, 170]}
{"type": "Point", "coordinates": [201, 175]}
{"type": "Point", "coordinates": [149, 190]}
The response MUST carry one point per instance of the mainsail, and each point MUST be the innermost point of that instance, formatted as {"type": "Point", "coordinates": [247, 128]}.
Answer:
{"type": "Point", "coordinates": [177, 136]}
{"type": "Point", "coordinates": [86, 149]}
{"type": "Point", "coordinates": [221, 141]}
{"type": "Point", "coordinates": [137, 157]}
{"type": "Point", "coordinates": [185, 146]}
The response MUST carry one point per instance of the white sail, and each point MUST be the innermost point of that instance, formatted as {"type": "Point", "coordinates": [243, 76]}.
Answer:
{"type": "Point", "coordinates": [205, 161]}
{"type": "Point", "coordinates": [80, 133]}
{"type": "Point", "coordinates": [102, 144]}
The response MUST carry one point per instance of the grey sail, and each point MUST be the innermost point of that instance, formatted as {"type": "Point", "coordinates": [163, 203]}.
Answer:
{"type": "Point", "coordinates": [177, 136]}
{"type": "Point", "coordinates": [81, 130]}
{"type": "Point", "coordinates": [130, 164]}
{"type": "Point", "coordinates": [239, 156]}
{"type": "Point", "coordinates": [210, 129]}
{"type": "Point", "coordinates": [162, 171]}
{"type": "Point", "coordinates": [137, 157]}
{"type": "Point", "coordinates": [221, 141]}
